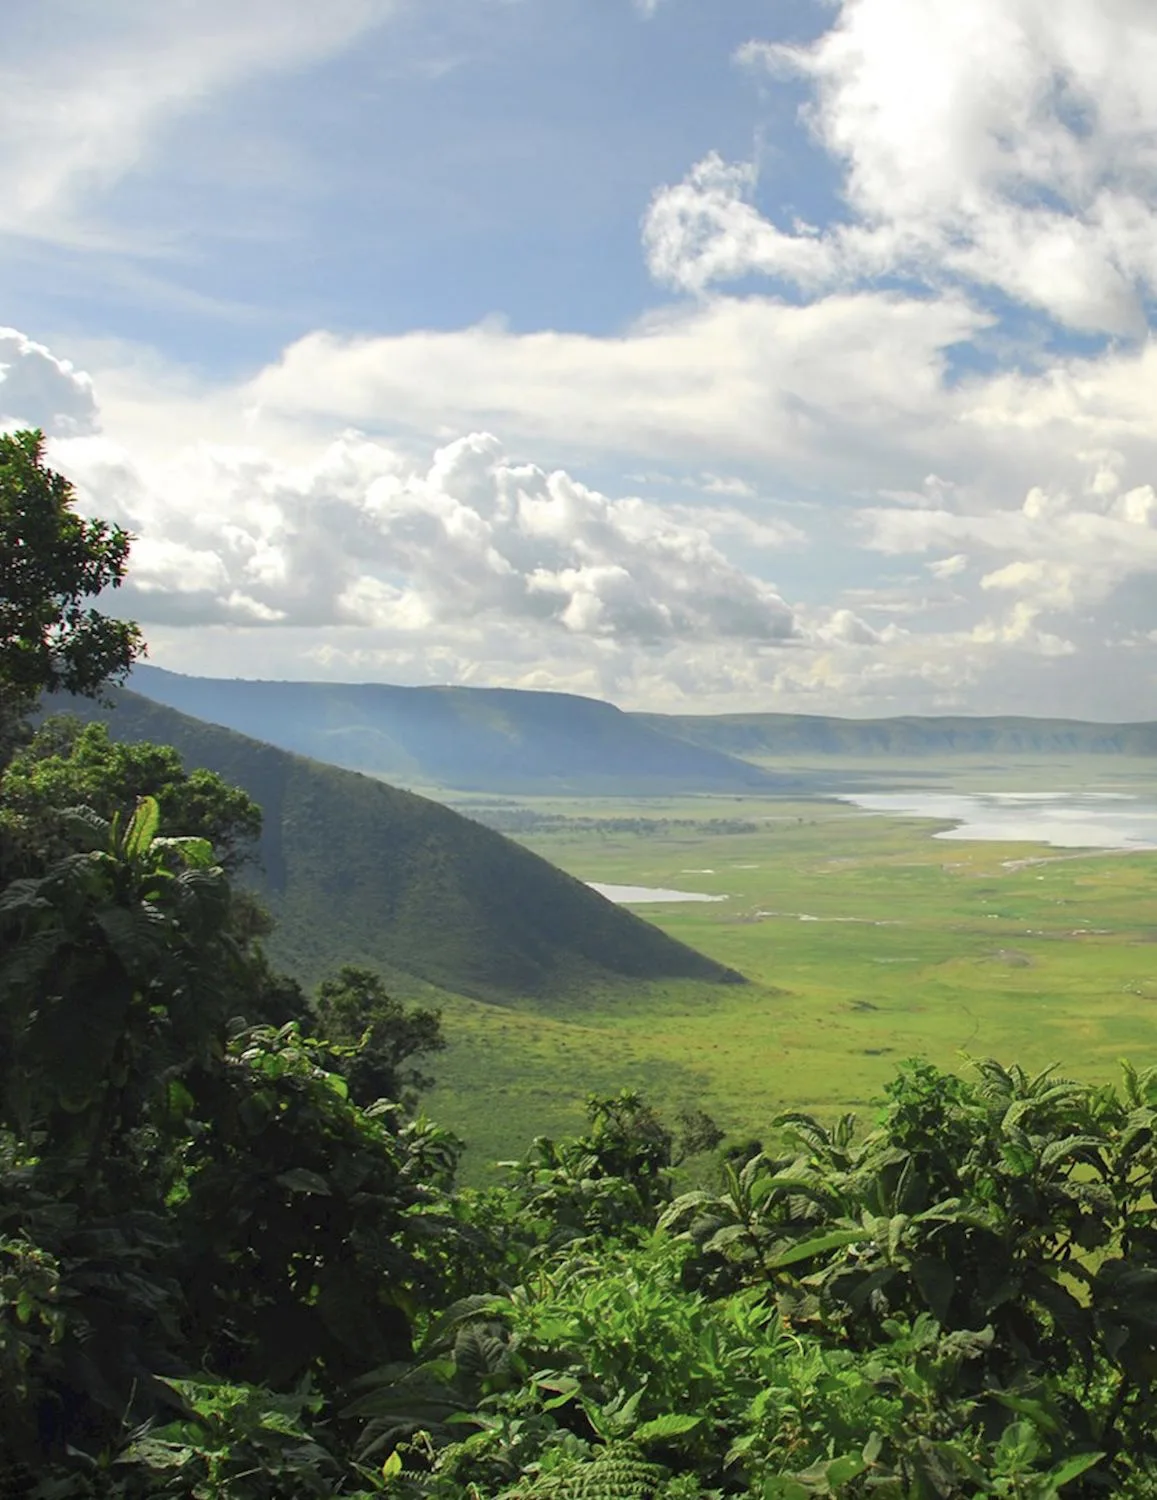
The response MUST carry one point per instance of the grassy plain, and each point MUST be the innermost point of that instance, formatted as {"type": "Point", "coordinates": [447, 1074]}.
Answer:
{"type": "Point", "coordinates": [866, 941]}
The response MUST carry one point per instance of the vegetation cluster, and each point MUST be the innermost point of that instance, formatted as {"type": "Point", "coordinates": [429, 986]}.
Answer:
{"type": "Point", "coordinates": [234, 1261]}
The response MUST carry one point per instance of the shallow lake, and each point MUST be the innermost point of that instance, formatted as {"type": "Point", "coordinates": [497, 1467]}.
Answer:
{"type": "Point", "coordinates": [1068, 820]}
{"type": "Point", "coordinates": [640, 895]}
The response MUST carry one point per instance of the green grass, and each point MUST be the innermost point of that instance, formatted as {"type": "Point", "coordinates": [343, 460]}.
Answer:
{"type": "Point", "coordinates": [954, 950]}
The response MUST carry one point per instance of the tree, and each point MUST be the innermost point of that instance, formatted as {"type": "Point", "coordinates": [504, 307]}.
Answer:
{"type": "Point", "coordinates": [354, 1009]}
{"type": "Point", "coordinates": [181, 1193]}
{"type": "Point", "coordinates": [70, 764]}
{"type": "Point", "coordinates": [51, 562]}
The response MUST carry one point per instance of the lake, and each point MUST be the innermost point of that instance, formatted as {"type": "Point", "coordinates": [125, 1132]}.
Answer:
{"type": "Point", "coordinates": [1067, 820]}
{"type": "Point", "coordinates": [641, 895]}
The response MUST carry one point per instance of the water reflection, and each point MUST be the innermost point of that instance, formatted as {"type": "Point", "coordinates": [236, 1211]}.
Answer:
{"type": "Point", "coordinates": [1067, 820]}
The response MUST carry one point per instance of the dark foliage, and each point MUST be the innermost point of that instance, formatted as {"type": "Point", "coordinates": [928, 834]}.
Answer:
{"type": "Point", "coordinates": [383, 1036]}
{"type": "Point", "coordinates": [70, 764]}
{"type": "Point", "coordinates": [52, 562]}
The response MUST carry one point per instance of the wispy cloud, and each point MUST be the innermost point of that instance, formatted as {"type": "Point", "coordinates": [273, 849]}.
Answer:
{"type": "Point", "coordinates": [87, 94]}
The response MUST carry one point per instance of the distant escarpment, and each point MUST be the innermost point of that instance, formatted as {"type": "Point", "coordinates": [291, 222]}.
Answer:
{"type": "Point", "coordinates": [470, 739]}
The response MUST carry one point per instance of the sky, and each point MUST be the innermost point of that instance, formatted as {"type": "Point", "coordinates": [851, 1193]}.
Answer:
{"type": "Point", "coordinates": [699, 355]}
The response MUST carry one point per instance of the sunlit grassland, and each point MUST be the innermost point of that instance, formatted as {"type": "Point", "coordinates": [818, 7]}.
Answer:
{"type": "Point", "coordinates": [866, 941]}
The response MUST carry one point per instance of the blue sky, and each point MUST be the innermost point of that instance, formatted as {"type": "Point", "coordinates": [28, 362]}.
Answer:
{"type": "Point", "coordinates": [704, 354]}
{"type": "Point", "coordinates": [460, 161]}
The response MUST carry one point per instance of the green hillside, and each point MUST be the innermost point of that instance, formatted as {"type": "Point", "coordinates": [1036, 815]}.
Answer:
{"type": "Point", "coordinates": [472, 739]}
{"type": "Point", "coordinates": [771, 736]}
{"type": "Point", "coordinates": [357, 871]}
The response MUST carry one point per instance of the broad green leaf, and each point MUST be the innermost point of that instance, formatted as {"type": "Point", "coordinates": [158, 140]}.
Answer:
{"type": "Point", "coordinates": [783, 1487]}
{"type": "Point", "coordinates": [674, 1210]}
{"type": "Point", "coordinates": [1057, 1150]}
{"type": "Point", "coordinates": [728, 1236]}
{"type": "Point", "coordinates": [196, 852]}
{"type": "Point", "coordinates": [671, 1424]}
{"type": "Point", "coordinates": [1073, 1468]}
{"type": "Point", "coordinates": [86, 827]}
{"type": "Point", "coordinates": [1038, 1414]}
{"type": "Point", "coordinates": [142, 828]}
{"type": "Point", "coordinates": [1018, 1157]}
{"type": "Point", "coordinates": [896, 1227]}
{"type": "Point", "coordinates": [844, 1469]}
{"type": "Point", "coordinates": [817, 1245]}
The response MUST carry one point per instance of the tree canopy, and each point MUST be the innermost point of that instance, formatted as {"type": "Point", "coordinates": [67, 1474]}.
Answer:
{"type": "Point", "coordinates": [69, 764]}
{"type": "Point", "coordinates": [52, 563]}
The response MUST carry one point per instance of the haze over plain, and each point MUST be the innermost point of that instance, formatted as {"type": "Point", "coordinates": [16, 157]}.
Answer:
{"type": "Point", "coordinates": [702, 357]}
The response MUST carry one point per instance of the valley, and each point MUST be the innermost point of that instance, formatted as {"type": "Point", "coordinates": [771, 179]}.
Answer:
{"type": "Point", "coordinates": [861, 938]}
{"type": "Point", "coordinates": [865, 941]}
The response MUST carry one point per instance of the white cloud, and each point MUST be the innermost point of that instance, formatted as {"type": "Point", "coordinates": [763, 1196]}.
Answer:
{"type": "Point", "coordinates": [39, 390]}
{"type": "Point", "coordinates": [409, 556]}
{"type": "Point", "coordinates": [811, 388]}
{"type": "Point", "coordinates": [1010, 519]}
{"type": "Point", "coordinates": [845, 628]}
{"type": "Point", "coordinates": [850, 397]}
{"type": "Point", "coordinates": [717, 484]}
{"type": "Point", "coordinates": [1091, 546]}
{"type": "Point", "coordinates": [948, 567]}
{"type": "Point", "coordinates": [1006, 143]}
{"type": "Point", "coordinates": [358, 537]}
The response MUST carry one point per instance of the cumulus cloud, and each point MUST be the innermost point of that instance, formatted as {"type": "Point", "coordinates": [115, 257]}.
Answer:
{"type": "Point", "coordinates": [39, 390]}
{"type": "Point", "coordinates": [850, 396]}
{"type": "Point", "coordinates": [1003, 143]}
{"type": "Point", "coordinates": [1054, 572]}
{"type": "Point", "coordinates": [1062, 549]}
{"type": "Point", "coordinates": [359, 537]}
{"type": "Point", "coordinates": [1009, 518]}
{"type": "Point", "coordinates": [468, 566]}
{"type": "Point", "coordinates": [846, 628]}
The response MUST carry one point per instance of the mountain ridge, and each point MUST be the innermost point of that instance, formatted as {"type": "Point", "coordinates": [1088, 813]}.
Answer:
{"type": "Point", "coordinates": [471, 739]}
{"type": "Point", "coordinates": [356, 870]}
{"type": "Point", "coordinates": [769, 735]}
{"type": "Point", "coordinates": [512, 740]}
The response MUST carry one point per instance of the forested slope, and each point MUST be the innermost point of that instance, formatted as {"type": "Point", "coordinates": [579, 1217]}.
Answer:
{"type": "Point", "coordinates": [357, 870]}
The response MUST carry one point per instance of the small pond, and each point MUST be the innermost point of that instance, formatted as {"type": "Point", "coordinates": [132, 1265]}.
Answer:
{"type": "Point", "coordinates": [641, 895]}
